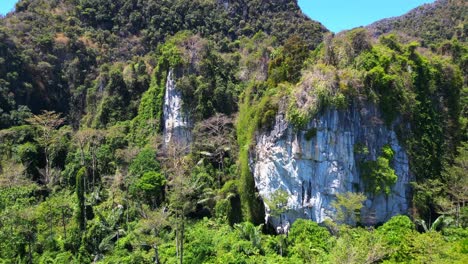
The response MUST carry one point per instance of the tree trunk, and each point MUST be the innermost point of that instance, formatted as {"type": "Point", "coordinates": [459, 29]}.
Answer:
{"type": "Point", "coordinates": [177, 238]}
{"type": "Point", "coordinates": [84, 207]}
{"type": "Point", "coordinates": [82, 155]}
{"type": "Point", "coordinates": [182, 242]}
{"type": "Point", "coordinates": [47, 171]}
{"type": "Point", "coordinates": [128, 207]}
{"type": "Point", "coordinates": [30, 253]}
{"type": "Point", "coordinates": [64, 225]}
{"type": "Point", "coordinates": [281, 247]}
{"type": "Point", "coordinates": [94, 166]}
{"type": "Point", "coordinates": [220, 168]}
{"type": "Point", "coordinates": [156, 254]}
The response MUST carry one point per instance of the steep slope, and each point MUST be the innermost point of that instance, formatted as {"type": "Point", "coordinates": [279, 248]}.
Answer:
{"type": "Point", "coordinates": [314, 167]}
{"type": "Point", "coordinates": [365, 116]}
{"type": "Point", "coordinates": [442, 20]}
{"type": "Point", "coordinates": [64, 46]}
{"type": "Point", "coordinates": [182, 124]}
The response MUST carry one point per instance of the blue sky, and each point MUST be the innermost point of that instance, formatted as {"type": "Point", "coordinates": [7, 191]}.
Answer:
{"type": "Point", "coordinates": [339, 15]}
{"type": "Point", "coordinates": [6, 6]}
{"type": "Point", "coordinates": [336, 15]}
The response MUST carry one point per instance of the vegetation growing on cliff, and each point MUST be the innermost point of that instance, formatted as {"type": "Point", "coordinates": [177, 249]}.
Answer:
{"type": "Point", "coordinates": [378, 175]}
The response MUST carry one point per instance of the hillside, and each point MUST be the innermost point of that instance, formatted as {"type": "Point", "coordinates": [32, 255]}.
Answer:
{"type": "Point", "coordinates": [59, 47]}
{"type": "Point", "coordinates": [231, 131]}
{"type": "Point", "coordinates": [432, 23]}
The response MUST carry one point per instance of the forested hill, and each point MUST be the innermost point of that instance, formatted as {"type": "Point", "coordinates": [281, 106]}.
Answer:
{"type": "Point", "coordinates": [231, 131]}
{"type": "Point", "coordinates": [442, 27]}
{"type": "Point", "coordinates": [432, 23]}
{"type": "Point", "coordinates": [52, 50]}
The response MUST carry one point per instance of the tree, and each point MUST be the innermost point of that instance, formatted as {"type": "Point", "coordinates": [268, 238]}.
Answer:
{"type": "Point", "coordinates": [358, 245]}
{"type": "Point", "coordinates": [54, 214]}
{"type": "Point", "coordinates": [29, 156]}
{"type": "Point", "coordinates": [26, 228]}
{"type": "Point", "coordinates": [80, 194]}
{"type": "Point", "coordinates": [153, 222]}
{"type": "Point", "coordinates": [146, 181]}
{"type": "Point", "coordinates": [250, 232]}
{"type": "Point", "coordinates": [144, 162]}
{"type": "Point", "coordinates": [151, 185]}
{"type": "Point", "coordinates": [308, 240]}
{"type": "Point", "coordinates": [214, 139]}
{"type": "Point", "coordinates": [110, 227]}
{"type": "Point", "coordinates": [12, 174]}
{"type": "Point", "coordinates": [360, 41]}
{"type": "Point", "coordinates": [456, 180]}
{"type": "Point", "coordinates": [65, 213]}
{"type": "Point", "coordinates": [348, 206]}
{"type": "Point", "coordinates": [47, 124]}
{"type": "Point", "coordinates": [182, 189]}
{"type": "Point", "coordinates": [378, 175]}
{"type": "Point", "coordinates": [329, 56]}
{"type": "Point", "coordinates": [278, 204]}
{"type": "Point", "coordinates": [287, 62]}
{"type": "Point", "coordinates": [92, 139]}
{"type": "Point", "coordinates": [397, 234]}
{"type": "Point", "coordinates": [424, 199]}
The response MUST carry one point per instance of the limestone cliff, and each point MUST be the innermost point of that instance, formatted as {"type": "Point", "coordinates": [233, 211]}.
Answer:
{"type": "Point", "coordinates": [177, 123]}
{"type": "Point", "coordinates": [314, 164]}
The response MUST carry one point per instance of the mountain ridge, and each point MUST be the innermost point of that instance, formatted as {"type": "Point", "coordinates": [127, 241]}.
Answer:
{"type": "Point", "coordinates": [433, 22]}
{"type": "Point", "coordinates": [214, 131]}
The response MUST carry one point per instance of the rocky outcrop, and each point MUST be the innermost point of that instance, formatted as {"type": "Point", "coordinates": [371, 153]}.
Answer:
{"type": "Point", "coordinates": [315, 164]}
{"type": "Point", "coordinates": [177, 123]}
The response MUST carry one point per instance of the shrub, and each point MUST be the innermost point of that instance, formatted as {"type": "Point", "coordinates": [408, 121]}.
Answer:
{"type": "Point", "coordinates": [378, 175]}
{"type": "Point", "coordinates": [144, 162]}
{"type": "Point", "coordinates": [307, 238]}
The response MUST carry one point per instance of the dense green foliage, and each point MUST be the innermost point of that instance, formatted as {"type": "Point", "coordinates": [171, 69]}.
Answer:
{"type": "Point", "coordinates": [378, 175]}
{"type": "Point", "coordinates": [348, 207]}
{"type": "Point", "coordinates": [429, 22]}
{"type": "Point", "coordinates": [63, 53]}
{"type": "Point", "coordinates": [86, 176]}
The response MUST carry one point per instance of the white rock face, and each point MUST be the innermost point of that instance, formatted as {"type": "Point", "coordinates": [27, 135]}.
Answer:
{"type": "Point", "coordinates": [177, 125]}
{"type": "Point", "coordinates": [224, 3]}
{"type": "Point", "coordinates": [313, 171]}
